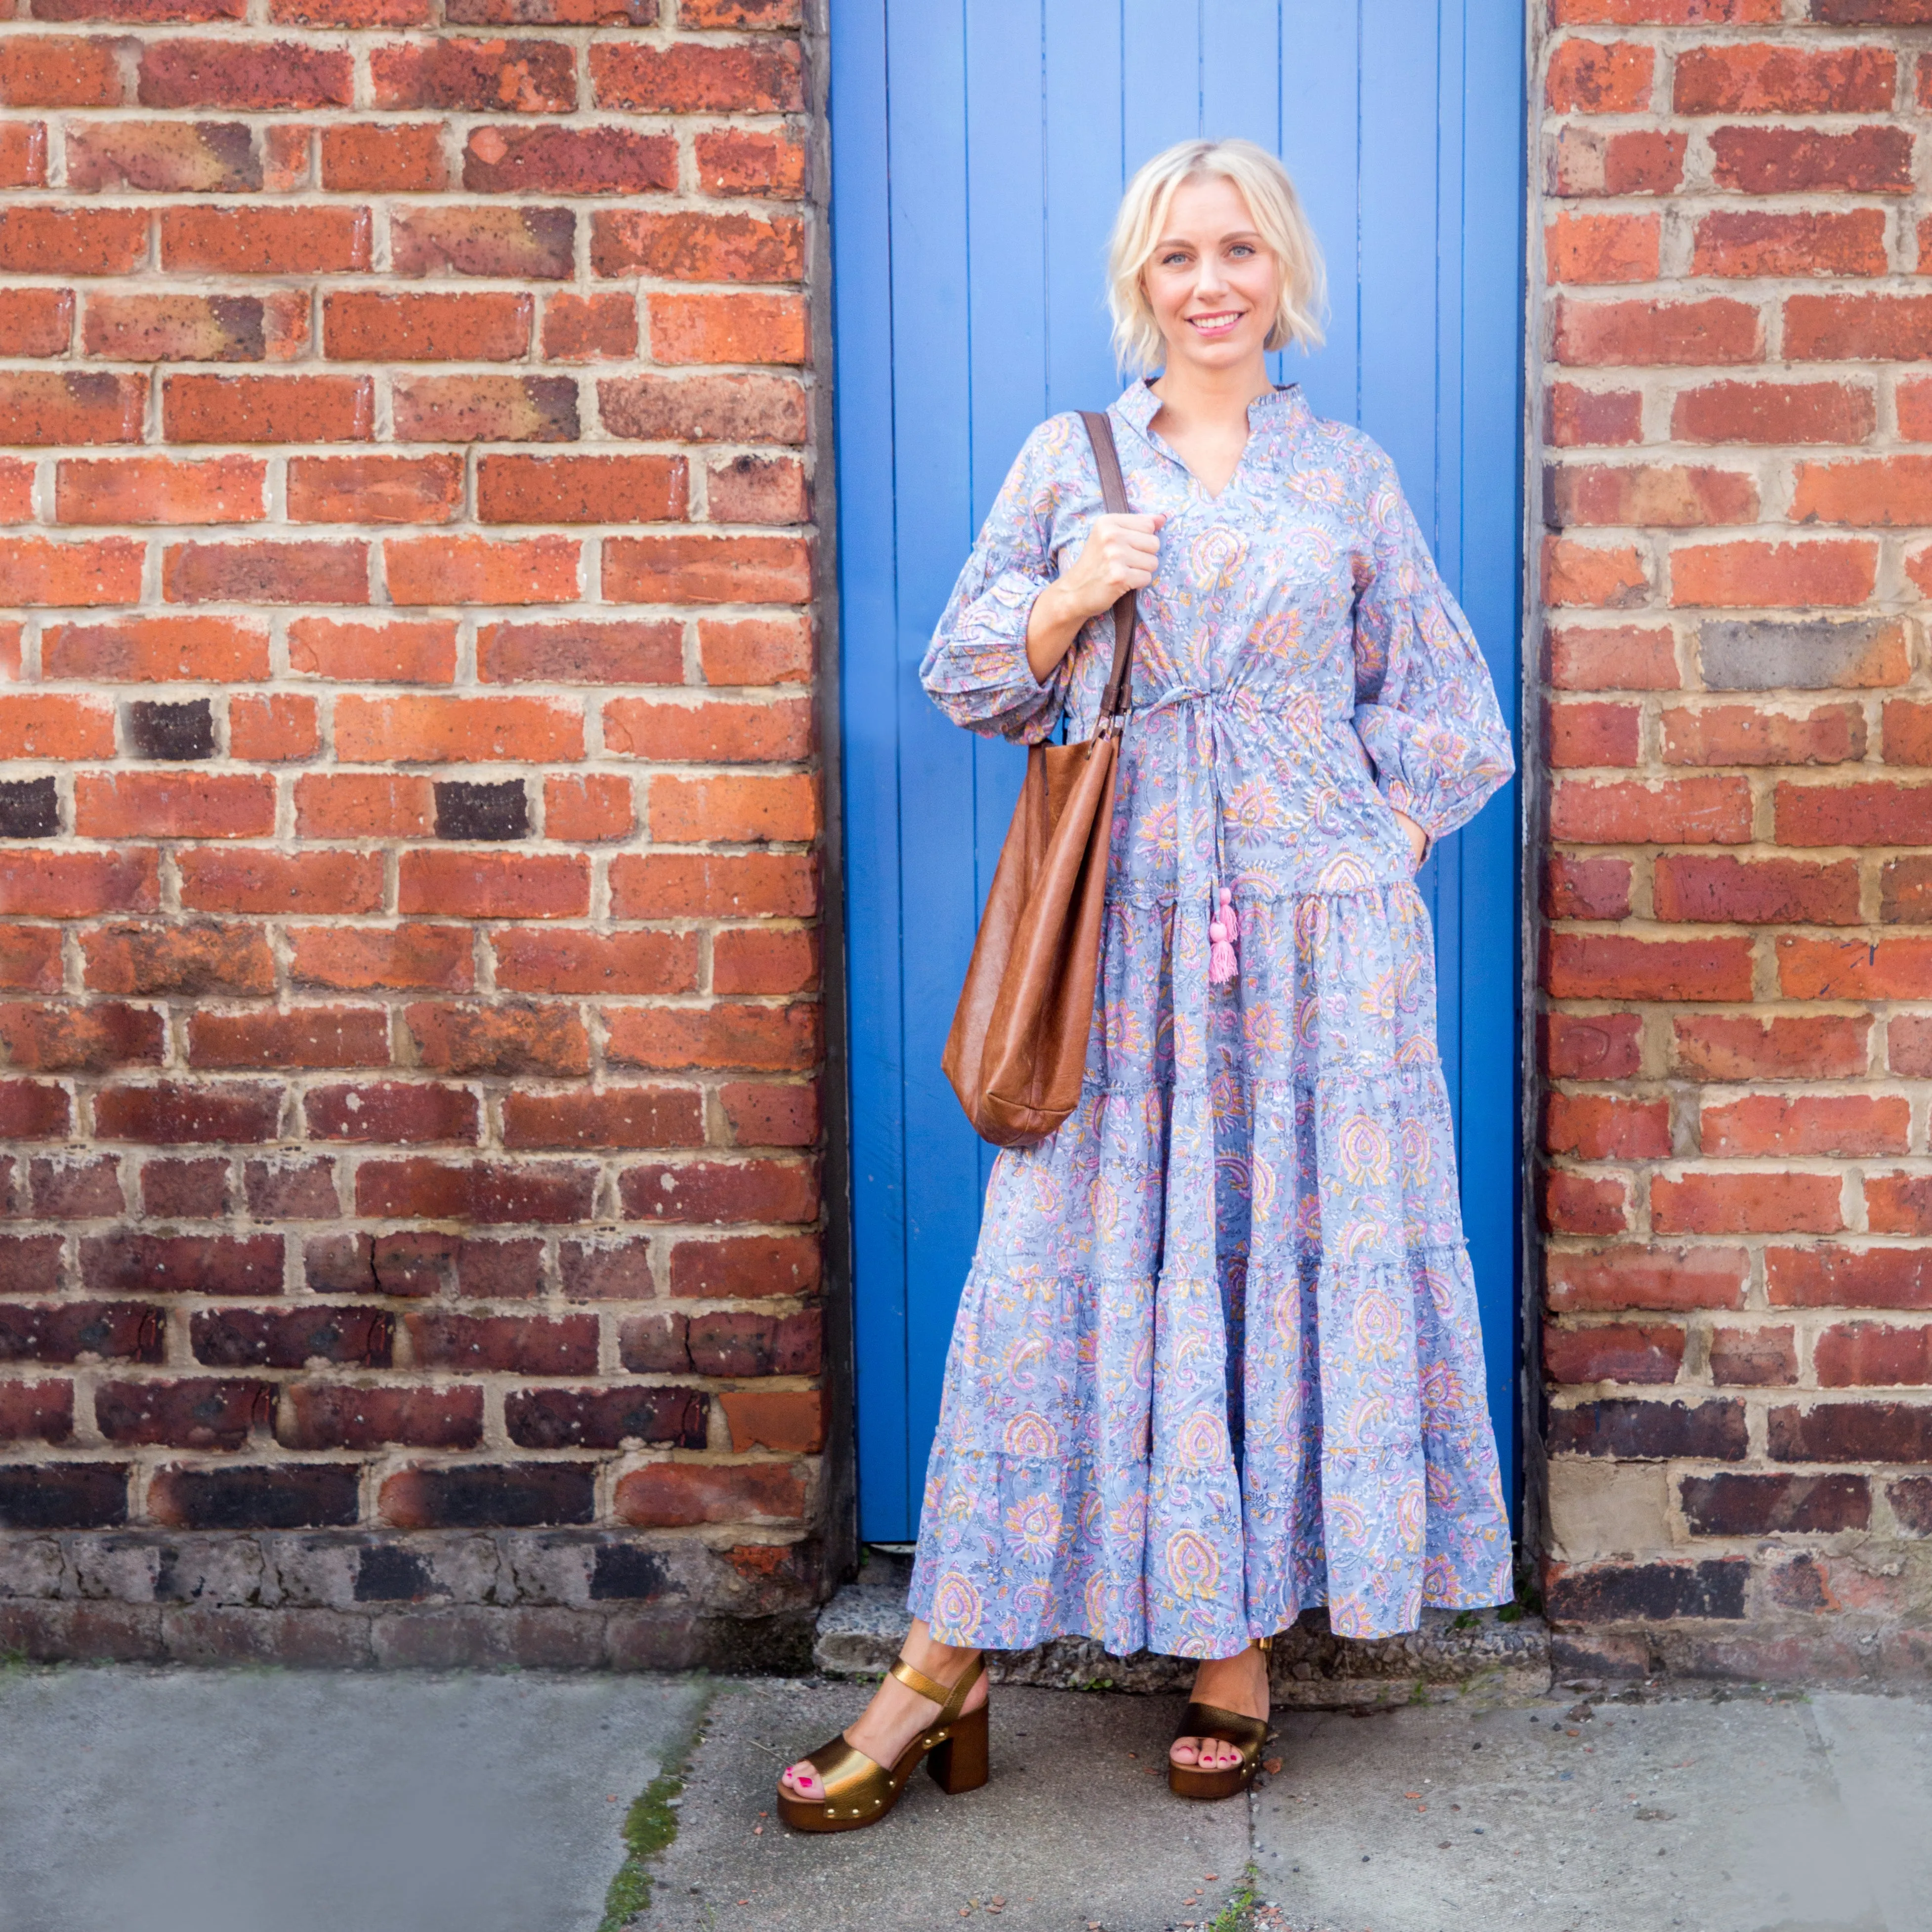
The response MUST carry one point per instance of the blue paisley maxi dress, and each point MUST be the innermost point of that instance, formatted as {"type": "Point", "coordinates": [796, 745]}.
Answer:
{"type": "Point", "coordinates": [1217, 1359]}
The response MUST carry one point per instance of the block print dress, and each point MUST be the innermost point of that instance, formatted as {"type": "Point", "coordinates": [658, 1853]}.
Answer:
{"type": "Point", "coordinates": [1217, 1358]}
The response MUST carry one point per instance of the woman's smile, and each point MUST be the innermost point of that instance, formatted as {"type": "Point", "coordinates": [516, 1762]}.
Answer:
{"type": "Point", "coordinates": [1218, 322]}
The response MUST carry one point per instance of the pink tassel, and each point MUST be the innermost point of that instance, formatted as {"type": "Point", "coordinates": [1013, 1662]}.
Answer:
{"type": "Point", "coordinates": [1222, 931]}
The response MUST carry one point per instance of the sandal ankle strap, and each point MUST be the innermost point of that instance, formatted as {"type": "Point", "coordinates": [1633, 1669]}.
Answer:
{"type": "Point", "coordinates": [948, 1699]}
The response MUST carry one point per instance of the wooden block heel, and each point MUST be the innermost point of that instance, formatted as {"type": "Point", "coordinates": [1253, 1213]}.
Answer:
{"type": "Point", "coordinates": [860, 1791]}
{"type": "Point", "coordinates": [1247, 1735]}
{"type": "Point", "coordinates": [958, 1763]}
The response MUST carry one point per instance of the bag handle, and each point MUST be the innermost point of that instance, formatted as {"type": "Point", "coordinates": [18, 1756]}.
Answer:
{"type": "Point", "coordinates": [1114, 495]}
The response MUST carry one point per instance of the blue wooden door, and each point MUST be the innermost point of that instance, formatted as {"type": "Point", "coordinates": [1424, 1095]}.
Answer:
{"type": "Point", "coordinates": [978, 150]}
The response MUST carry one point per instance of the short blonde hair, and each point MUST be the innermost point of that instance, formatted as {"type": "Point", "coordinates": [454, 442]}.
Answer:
{"type": "Point", "coordinates": [1265, 184]}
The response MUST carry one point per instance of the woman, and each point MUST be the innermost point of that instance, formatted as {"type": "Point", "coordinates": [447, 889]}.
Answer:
{"type": "Point", "coordinates": [1218, 1358]}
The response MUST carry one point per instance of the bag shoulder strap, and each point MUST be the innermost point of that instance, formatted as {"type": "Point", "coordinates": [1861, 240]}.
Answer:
{"type": "Point", "coordinates": [1114, 495]}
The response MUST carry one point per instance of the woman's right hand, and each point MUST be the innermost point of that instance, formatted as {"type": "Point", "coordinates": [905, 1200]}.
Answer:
{"type": "Point", "coordinates": [1120, 554]}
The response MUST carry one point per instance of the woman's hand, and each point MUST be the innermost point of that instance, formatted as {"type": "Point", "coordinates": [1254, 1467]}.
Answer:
{"type": "Point", "coordinates": [1120, 554]}
{"type": "Point", "coordinates": [1418, 839]}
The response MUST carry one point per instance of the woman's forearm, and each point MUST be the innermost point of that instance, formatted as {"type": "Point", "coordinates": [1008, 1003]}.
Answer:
{"type": "Point", "coordinates": [1054, 623]}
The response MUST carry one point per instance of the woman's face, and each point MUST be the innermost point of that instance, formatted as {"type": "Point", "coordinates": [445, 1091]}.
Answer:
{"type": "Point", "coordinates": [1213, 284]}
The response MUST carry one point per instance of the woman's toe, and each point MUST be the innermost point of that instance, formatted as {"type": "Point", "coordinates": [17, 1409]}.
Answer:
{"type": "Point", "coordinates": [1184, 1751]}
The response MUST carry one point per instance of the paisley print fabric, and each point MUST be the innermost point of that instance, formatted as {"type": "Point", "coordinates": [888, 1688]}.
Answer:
{"type": "Point", "coordinates": [1217, 1358]}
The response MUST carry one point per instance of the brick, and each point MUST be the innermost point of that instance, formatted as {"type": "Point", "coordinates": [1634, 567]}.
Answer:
{"type": "Point", "coordinates": [196, 328]}
{"type": "Point", "coordinates": [302, 1037]}
{"type": "Point", "coordinates": [375, 489]}
{"type": "Point", "coordinates": [439, 731]}
{"type": "Point", "coordinates": [486, 408]}
{"type": "Point", "coordinates": [583, 810]}
{"type": "Point", "coordinates": [1593, 576]}
{"type": "Point", "coordinates": [1854, 1354]}
{"type": "Point", "coordinates": [111, 1331]}
{"type": "Point", "coordinates": [359, 959]}
{"type": "Point", "coordinates": [1857, 327]}
{"type": "Point", "coordinates": [1614, 966]}
{"type": "Point", "coordinates": [580, 489]}
{"type": "Point", "coordinates": [46, 240]}
{"type": "Point", "coordinates": [475, 885]}
{"type": "Point", "coordinates": [36, 1411]}
{"type": "Point", "coordinates": [754, 961]}
{"type": "Point", "coordinates": [1911, 1500]}
{"type": "Point", "coordinates": [742, 810]}
{"type": "Point", "coordinates": [740, 328]}
{"type": "Point", "coordinates": [297, 1189]}
{"type": "Point", "coordinates": [1715, 1202]}
{"type": "Point", "coordinates": [488, 1192]}
{"type": "Point", "coordinates": [285, 883]}
{"type": "Point", "coordinates": [1585, 734]}
{"type": "Point", "coordinates": [593, 964]}
{"type": "Point", "coordinates": [1914, 400]}
{"type": "Point", "coordinates": [1603, 1127]}
{"type": "Point", "coordinates": [589, 328]}
{"type": "Point", "coordinates": [33, 726]}
{"type": "Point", "coordinates": [1882, 492]}
{"type": "Point", "coordinates": [1733, 1504]}
{"type": "Point", "coordinates": [670, 1495]}
{"type": "Point", "coordinates": [1873, 813]}
{"type": "Point", "coordinates": [741, 13]}
{"type": "Point", "coordinates": [463, 74]}
{"type": "Point", "coordinates": [257, 76]}
{"type": "Point", "coordinates": [482, 812]}
{"type": "Point", "coordinates": [395, 1113]}
{"type": "Point", "coordinates": [30, 955]}
{"type": "Point", "coordinates": [384, 156]}
{"type": "Point", "coordinates": [488, 1496]}
{"type": "Point", "coordinates": [1773, 413]}
{"type": "Point", "coordinates": [1647, 1430]}
{"type": "Point", "coordinates": [704, 409]}
{"type": "Point", "coordinates": [314, 1496]}
{"type": "Point", "coordinates": [157, 649]}
{"type": "Point", "coordinates": [529, 244]}
{"type": "Point", "coordinates": [1589, 1046]}
{"type": "Point", "coordinates": [60, 70]}
{"type": "Point", "coordinates": [1898, 1204]}
{"type": "Point", "coordinates": [526, 1344]}
{"type": "Point", "coordinates": [673, 885]}
{"type": "Point", "coordinates": [317, 241]}
{"type": "Point", "coordinates": [1692, 811]}
{"type": "Point", "coordinates": [614, 160]}
{"type": "Point", "coordinates": [1577, 418]}
{"type": "Point", "coordinates": [35, 322]}
{"type": "Point", "coordinates": [1653, 1592]}
{"type": "Point", "coordinates": [617, 1271]}
{"type": "Point", "coordinates": [41, 407]}
{"type": "Point", "coordinates": [130, 804]}
{"type": "Point", "coordinates": [268, 409]}
{"type": "Point", "coordinates": [1753, 242]}
{"type": "Point", "coordinates": [81, 1189]}
{"type": "Point", "coordinates": [410, 651]}
{"type": "Point", "coordinates": [471, 570]}
{"type": "Point", "coordinates": [707, 569]}
{"type": "Point", "coordinates": [698, 77]}
{"type": "Point", "coordinates": [1598, 248]}
{"type": "Point", "coordinates": [1755, 575]}
{"type": "Point", "coordinates": [770, 1190]}
{"type": "Point", "coordinates": [1743, 1046]}
{"type": "Point", "coordinates": [359, 805]}
{"type": "Point", "coordinates": [198, 1413]}
{"type": "Point", "coordinates": [265, 573]}
{"type": "Point", "coordinates": [605, 1418]}
{"type": "Point", "coordinates": [23, 153]}
{"type": "Point", "coordinates": [1747, 734]}
{"type": "Point", "coordinates": [1707, 890]}
{"type": "Point", "coordinates": [1899, 968]}
{"type": "Point", "coordinates": [1843, 1124]}
{"type": "Point", "coordinates": [1798, 161]}
{"type": "Point", "coordinates": [272, 729]}
{"type": "Point", "coordinates": [159, 490]}
{"type": "Point", "coordinates": [620, 651]}
{"type": "Point", "coordinates": [748, 489]}
{"type": "Point", "coordinates": [745, 1342]}
{"type": "Point", "coordinates": [691, 246]}
{"type": "Point", "coordinates": [735, 160]}
{"type": "Point", "coordinates": [246, 1338]}
{"type": "Point", "coordinates": [709, 733]}
{"type": "Point", "coordinates": [614, 1117]}
{"type": "Point", "coordinates": [1628, 657]}
{"type": "Point", "coordinates": [169, 732]}
{"type": "Point", "coordinates": [509, 1040]}
{"type": "Point", "coordinates": [790, 1421]}
{"type": "Point", "coordinates": [1753, 1357]}
{"type": "Point", "coordinates": [31, 1110]}
{"type": "Point", "coordinates": [1908, 1044]}
{"type": "Point", "coordinates": [106, 571]}
{"type": "Point", "coordinates": [67, 1038]}
{"type": "Point", "coordinates": [1908, 733]}
{"type": "Point", "coordinates": [170, 1114]}
{"type": "Point", "coordinates": [380, 327]}
{"type": "Point", "coordinates": [73, 885]}
{"type": "Point", "coordinates": [1816, 653]}
{"type": "Point", "coordinates": [312, 1415]}
{"type": "Point", "coordinates": [1852, 1432]}
{"type": "Point", "coordinates": [1715, 329]}
{"type": "Point", "coordinates": [184, 1190]}
{"type": "Point", "coordinates": [1762, 77]}
{"type": "Point", "coordinates": [552, 13]}
{"type": "Point", "coordinates": [64, 1495]}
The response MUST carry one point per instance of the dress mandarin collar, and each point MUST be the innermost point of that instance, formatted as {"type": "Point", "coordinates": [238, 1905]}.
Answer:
{"type": "Point", "coordinates": [1282, 406]}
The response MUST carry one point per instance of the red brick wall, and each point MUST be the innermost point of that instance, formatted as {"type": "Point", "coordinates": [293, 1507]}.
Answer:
{"type": "Point", "coordinates": [408, 827]}
{"type": "Point", "coordinates": [1735, 963]}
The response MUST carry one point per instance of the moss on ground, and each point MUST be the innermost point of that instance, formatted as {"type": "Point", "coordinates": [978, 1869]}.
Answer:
{"type": "Point", "coordinates": [649, 1826]}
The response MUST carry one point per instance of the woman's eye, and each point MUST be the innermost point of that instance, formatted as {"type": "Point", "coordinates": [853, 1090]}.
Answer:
{"type": "Point", "coordinates": [1241, 248]}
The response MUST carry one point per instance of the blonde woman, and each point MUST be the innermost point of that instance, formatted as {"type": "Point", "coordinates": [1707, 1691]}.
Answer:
{"type": "Point", "coordinates": [1217, 1359]}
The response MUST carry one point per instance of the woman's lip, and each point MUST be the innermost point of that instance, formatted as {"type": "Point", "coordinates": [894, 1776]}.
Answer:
{"type": "Point", "coordinates": [1214, 324]}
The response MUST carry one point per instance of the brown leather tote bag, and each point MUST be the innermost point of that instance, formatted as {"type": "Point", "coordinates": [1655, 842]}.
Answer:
{"type": "Point", "coordinates": [1017, 1049]}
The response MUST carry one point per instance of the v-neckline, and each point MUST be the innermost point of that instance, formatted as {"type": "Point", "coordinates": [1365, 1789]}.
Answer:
{"type": "Point", "coordinates": [1276, 391]}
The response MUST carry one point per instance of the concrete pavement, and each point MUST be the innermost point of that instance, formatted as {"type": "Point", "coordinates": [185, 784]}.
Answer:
{"type": "Point", "coordinates": [136, 1800]}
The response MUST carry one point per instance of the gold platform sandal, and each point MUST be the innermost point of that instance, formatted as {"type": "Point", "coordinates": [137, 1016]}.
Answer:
{"type": "Point", "coordinates": [1247, 1735]}
{"type": "Point", "coordinates": [860, 1791]}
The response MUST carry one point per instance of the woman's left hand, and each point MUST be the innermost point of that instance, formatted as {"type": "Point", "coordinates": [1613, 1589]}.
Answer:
{"type": "Point", "coordinates": [1418, 839]}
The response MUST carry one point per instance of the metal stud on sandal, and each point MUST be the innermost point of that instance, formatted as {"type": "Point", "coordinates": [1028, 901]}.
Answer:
{"type": "Point", "coordinates": [858, 1790]}
{"type": "Point", "coordinates": [1247, 1735]}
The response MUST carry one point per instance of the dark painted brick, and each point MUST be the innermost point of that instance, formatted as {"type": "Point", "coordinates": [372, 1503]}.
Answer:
{"type": "Point", "coordinates": [116, 1331]}
{"type": "Point", "coordinates": [485, 1496]}
{"type": "Point", "coordinates": [29, 808]}
{"type": "Point", "coordinates": [280, 1338]}
{"type": "Point", "coordinates": [64, 1495]}
{"type": "Point", "coordinates": [1653, 1592]}
{"type": "Point", "coordinates": [1732, 1504]}
{"type": "Point", "coordinates": [387, 1574]}
{"type": "Point", "coordinates": [464, 810]}
{"type": "Point", "coordinates": [605, 1418]}
{"type": "Point", "coordinates": [624, 1571]}
{"type": "Point", "coordinates": [315, 1495]}
{"type": "Point", "coordinates": [1712, 1430]}
{"type": "Point", "coordinates": [191, 1413]}
{"type": "Point", "coordinates": [178, 732]}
